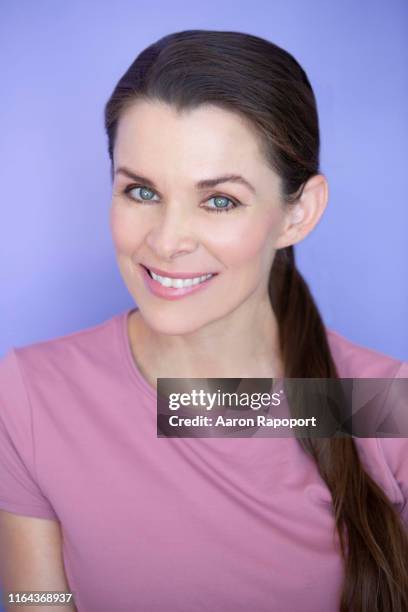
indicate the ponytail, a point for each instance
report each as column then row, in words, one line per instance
column 373, row 540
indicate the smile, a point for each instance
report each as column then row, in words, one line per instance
column 179, row 283
column 170, row 288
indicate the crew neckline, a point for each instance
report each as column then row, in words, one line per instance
column 133, row 368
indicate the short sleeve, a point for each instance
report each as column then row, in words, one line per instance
column 395, row 454
column 20, row 492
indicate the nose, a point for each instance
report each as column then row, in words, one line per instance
column 171, row 232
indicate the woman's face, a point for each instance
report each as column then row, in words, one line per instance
column 171, row 220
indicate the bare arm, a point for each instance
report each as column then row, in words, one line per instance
column 31, row 559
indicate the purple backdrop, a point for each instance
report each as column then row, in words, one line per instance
column 59, row 63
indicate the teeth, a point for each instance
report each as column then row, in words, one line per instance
column 179, row 283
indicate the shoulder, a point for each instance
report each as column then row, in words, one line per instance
column 50, row 377
column 75, row 354
column 384, row 458
column 356, row 361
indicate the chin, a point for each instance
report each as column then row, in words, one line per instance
column 171, row 324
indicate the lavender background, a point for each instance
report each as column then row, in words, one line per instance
column 58, row 65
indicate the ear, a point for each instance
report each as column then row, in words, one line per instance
column 303, row 215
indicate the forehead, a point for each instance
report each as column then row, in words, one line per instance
column 151, row 132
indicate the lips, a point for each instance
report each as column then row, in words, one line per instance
column 172, row 293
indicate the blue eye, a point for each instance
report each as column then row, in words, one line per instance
column 221, row 204
column 145, row 193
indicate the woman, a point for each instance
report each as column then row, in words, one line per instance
column 92, row 501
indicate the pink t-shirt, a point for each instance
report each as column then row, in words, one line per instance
column 172, row 524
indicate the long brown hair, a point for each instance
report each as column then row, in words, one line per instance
column 260, row 81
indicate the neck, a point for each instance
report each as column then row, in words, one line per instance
column 242, row 345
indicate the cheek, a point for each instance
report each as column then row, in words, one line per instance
column 126, row 234
column 247, row 241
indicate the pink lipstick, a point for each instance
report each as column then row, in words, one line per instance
column 173, row 293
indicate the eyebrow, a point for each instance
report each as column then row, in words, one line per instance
column 203, row 184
